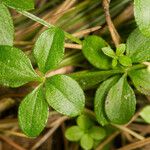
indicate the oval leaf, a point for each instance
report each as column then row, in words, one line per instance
column 65, row 95
column 84, row 122
column 121, row 48
column 6, row 27
column 99, row 102
column 141, row 80
column 89, row 79
column 120, row 102
column 20, row 4
column 86, row 142
column 15, row 67
column 145, row 113
column 74, row 133
column 92, row 50
column 138, row 47
column 141, row 12
column 97, row 133
column 33, row 113
column 49, row 49
column 109, row 52
column 125, row 61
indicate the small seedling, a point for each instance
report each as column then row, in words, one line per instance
column 85, row 132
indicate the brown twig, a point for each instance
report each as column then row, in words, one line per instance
column 12, row 143
column 62, row 9
column 8, row 132
column 114, row 34
column 109, row 139
column 55, row 125
column 63, row 129
column 63, row 70
column 123, row 17
column 86, row 31
column 136, row 145
column 6, row 103
column 73, row 46
column 123, row 128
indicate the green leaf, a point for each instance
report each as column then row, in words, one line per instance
column 120, row 102
column 138, row 47
column 6, row 27
column 97, row 133
column 92, row 50
column 145, row 114
column 125, row 61
column 33, row 113
column 15, row 67
column 109, row 52
column 114, row 62
column 84, row 122
column 99, row 102
column 141, row 80
column 49, row 49
column 89, row 79
column 86, row 142
column 141, row 12
column 65, row 95
column 20, row 4
column 121, row 48
column 74, row 133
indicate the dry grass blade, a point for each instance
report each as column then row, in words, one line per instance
column 136, row 144
column 123, row 128
column 109, row 139
column 12, row 143
column 55, row 125
column 115, row 36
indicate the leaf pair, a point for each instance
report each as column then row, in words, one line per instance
column 48, row 51
column 60, row 92
column 114, row 101
column 86, row 132
column 118, row 56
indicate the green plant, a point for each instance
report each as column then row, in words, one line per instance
column 60, row 91
column 86, row 132
column 115, row 101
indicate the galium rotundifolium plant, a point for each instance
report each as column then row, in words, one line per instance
column 86, row 132
column 115, row 100
column 60, row 92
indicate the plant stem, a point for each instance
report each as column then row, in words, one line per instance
column 135, row 67
column 114, row 34
column 46, row 24
column 123, row 128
